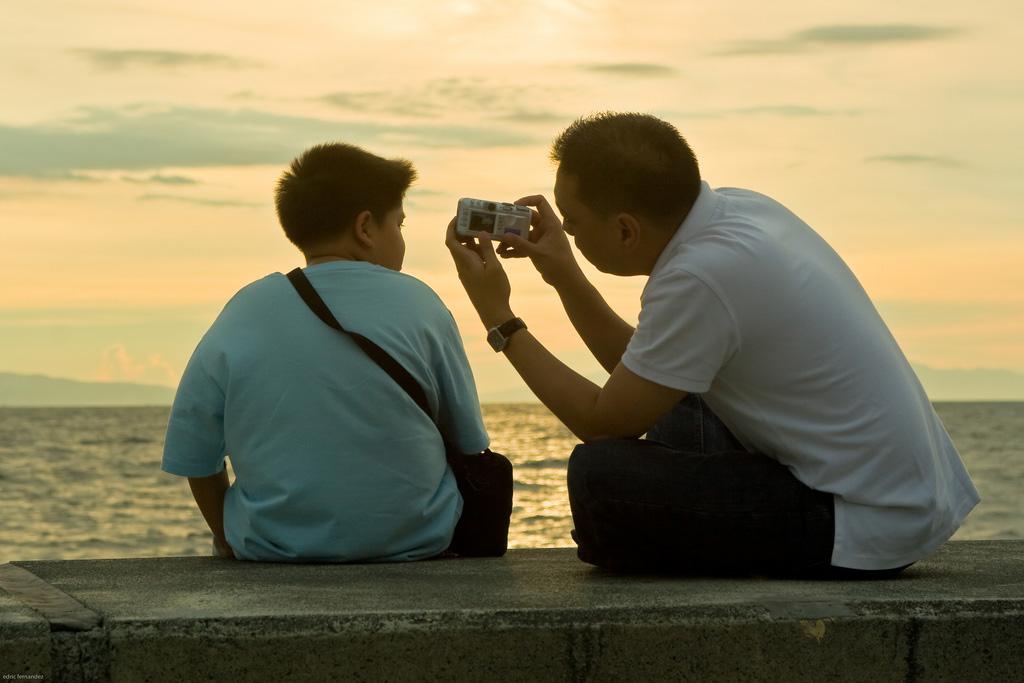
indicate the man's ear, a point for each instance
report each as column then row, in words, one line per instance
column 628, row 229
column 361, row 229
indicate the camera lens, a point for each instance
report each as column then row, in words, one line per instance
column 490, row 206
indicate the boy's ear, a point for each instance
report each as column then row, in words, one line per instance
column 361, row 229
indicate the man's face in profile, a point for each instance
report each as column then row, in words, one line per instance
column 593, row 234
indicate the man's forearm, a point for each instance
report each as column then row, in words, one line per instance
column 209, row 494
column 601, row 328
column 566, row 393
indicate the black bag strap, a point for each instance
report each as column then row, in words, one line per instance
column 388, row 364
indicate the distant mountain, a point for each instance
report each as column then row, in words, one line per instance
column 978, row 384
column 39, row 390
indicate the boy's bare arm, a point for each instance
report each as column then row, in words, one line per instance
column 209, row 494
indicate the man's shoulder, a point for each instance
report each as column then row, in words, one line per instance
column 743, row 193
column 746, row 227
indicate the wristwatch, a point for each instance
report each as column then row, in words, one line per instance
column 498, row 336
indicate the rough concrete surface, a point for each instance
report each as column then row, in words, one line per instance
column 24, row 640
column 534, row 615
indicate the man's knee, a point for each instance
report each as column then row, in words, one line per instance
column 588, row 462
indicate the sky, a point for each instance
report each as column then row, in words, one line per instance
column 140, row 143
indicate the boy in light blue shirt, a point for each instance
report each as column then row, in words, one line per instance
column 333, row 460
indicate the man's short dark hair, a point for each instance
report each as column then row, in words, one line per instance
column 630, row 162
column 328, row 185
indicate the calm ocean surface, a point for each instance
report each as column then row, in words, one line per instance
column 80, row 483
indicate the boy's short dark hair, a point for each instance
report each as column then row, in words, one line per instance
column 328, row 185
column 630, row 162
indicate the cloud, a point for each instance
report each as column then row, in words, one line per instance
column 631, row 69
column 117, row 365
column 783, row 110
column 58, row 177
column 917, row 159
column 112, row 60
column 875, row 33
column 533, row 116
column 200, row 201
column 155, row 136
column 791, row 110
column 841, row 35
column 438, row 97
column 162, row 180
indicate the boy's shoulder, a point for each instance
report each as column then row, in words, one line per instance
column 405, row 292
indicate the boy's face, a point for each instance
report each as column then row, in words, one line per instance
column 389, row 245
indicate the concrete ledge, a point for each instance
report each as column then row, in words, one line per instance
column 535, row 615
column 24, row 639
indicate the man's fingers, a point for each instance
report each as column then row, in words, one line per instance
column 516, row 245
column 538, row 200
column 453, row 240
column 487, row 250
column 450, row 239
column 466, row 254
column 535, row 218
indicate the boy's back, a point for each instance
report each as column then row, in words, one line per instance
column 333, row 460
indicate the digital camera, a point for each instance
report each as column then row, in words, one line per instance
column 497, row 218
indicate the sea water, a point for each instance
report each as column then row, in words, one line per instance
column 85, row 483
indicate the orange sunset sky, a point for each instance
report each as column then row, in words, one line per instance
column 140, row 143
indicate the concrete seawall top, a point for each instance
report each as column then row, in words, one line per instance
column 533, row 615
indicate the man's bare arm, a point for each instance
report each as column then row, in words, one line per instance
column 209, row 494
column 627, row 406
column 600, row 328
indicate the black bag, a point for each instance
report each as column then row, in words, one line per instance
column 484, row 479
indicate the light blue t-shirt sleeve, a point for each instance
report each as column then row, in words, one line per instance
column 194, row 445
column 459, row 405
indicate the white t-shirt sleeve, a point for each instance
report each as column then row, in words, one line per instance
column 684, row 336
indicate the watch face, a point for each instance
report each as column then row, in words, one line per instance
column 496, row 339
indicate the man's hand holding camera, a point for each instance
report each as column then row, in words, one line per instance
column 482, row 275
column 546, row 246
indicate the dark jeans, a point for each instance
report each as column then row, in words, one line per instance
column 691, row 499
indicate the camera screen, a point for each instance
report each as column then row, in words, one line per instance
column 481, row 221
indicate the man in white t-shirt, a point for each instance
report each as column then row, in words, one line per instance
column 786, row 431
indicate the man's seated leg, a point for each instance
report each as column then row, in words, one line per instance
column 693, row 427
column 639, row 505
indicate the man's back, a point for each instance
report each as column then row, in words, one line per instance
column 332, row 459
column 789, row 351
